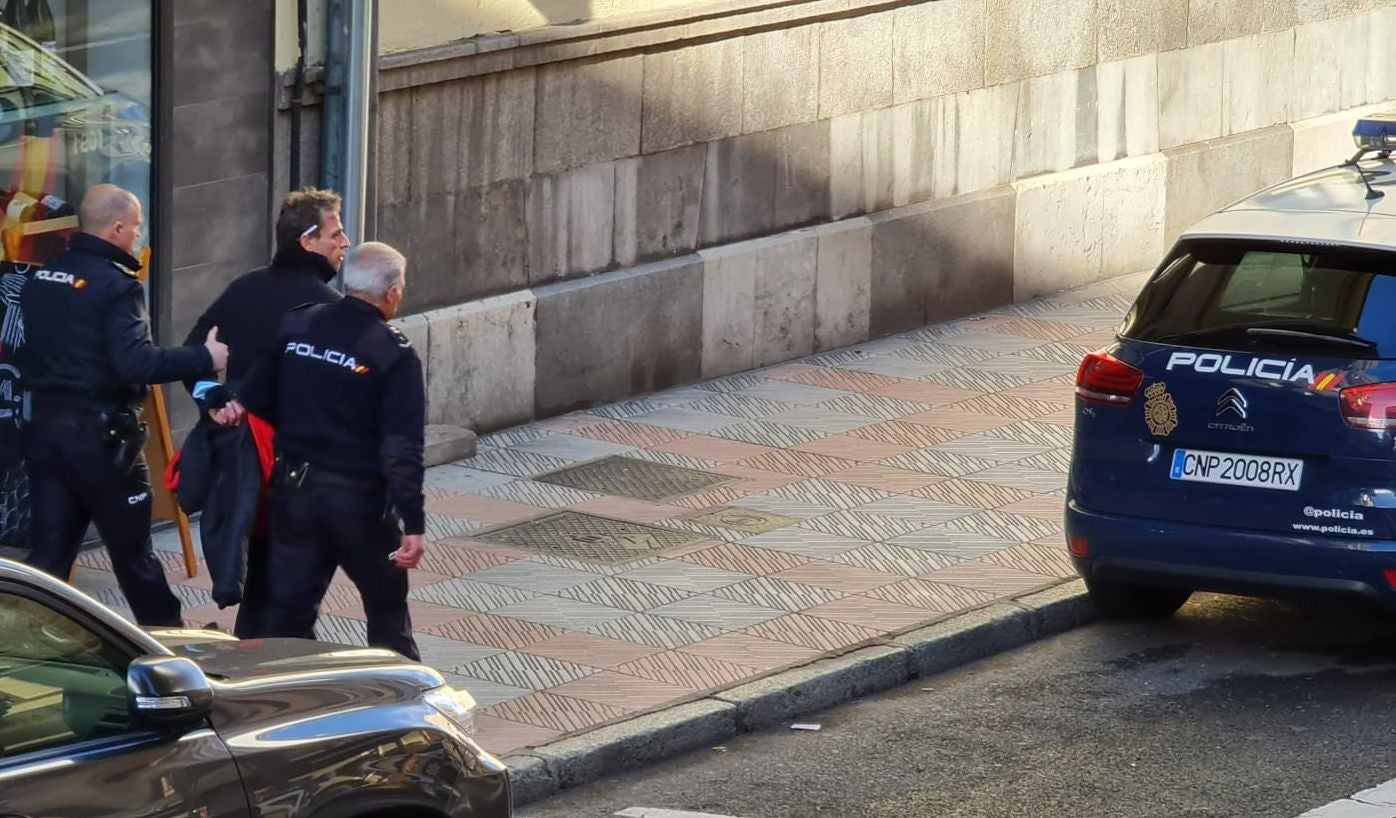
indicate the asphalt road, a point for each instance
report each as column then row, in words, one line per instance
column 1233, row 708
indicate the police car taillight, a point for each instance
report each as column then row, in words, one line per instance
column 1372, row 406
column 1376, row 133
column 1103, row 378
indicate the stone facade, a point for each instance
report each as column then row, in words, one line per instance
column 602, row 212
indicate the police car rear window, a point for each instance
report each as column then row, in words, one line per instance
column 1271, row 296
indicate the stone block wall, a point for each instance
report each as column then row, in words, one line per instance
column 597, row 214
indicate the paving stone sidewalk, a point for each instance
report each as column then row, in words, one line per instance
column 590, row 567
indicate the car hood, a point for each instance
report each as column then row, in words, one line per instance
column 229, row 659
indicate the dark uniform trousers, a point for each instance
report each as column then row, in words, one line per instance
column 73, row 480
column 319, row 526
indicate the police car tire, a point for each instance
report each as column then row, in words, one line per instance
column 1122, row 600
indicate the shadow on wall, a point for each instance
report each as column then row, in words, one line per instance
column 563, row 12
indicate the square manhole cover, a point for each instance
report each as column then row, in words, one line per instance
column 639, row 479
column 588, row 537
column 744, row 519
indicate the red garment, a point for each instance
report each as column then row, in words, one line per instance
column 263, row 434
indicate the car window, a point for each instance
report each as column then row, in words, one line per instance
column 27, row 65
column 58, row 682
column 1212, row 292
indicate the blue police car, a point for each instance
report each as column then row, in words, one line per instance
column 1239, row 436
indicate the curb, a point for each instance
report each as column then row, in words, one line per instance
column 539, row 772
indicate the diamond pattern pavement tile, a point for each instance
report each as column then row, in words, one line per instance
column 830, row 493
column 933, row 596
column 543, row 495
column 930, row 393
column 590, row 650
column 671, row 459
column 789, row 392
column 750, row 651
column 1049, row 435
column 563, row 613
column 984, row 576
column 896, row 559
column 629, row 594
column 1009, row 407
column 978, row 381
column 497, row 631
column 440, row 527
column 720, row 496
column 744, row 559
column 800, row 463
column 504, row 438
column 916, row 510
column 623, row 410
column 813, row 632
column 624, row 691
column 889, row 364
column 848, row 380
column 686, row 576
column 501, row 736
column 876, row 406
column 772, row 504
column 471, row 595
column 934, row 461
column 340, row 630
column 771, row 435
column 1067, row 353
column 519, row 464
column 463, row 480
column 717, row 612
column 633, row 434
column 1034, row 328
column 1095, row 338
column 685, row 419
column 838, row 577
column 960, row 420
column 539, row 578
column 859, row 525
column 1043, row 506
column 1026, row 370
column 715, row 449
column 870, row 613
column 965, row 545
column 886, row 478
column 1047, row 560
column 625, row 508
column 571, row 448
column 1054, row 460
column 489, row 510
column 909, row 435
column 424, row 614
column 524, row 670
column 454, row 558
column 965, row 493
column 1066, row 417
column 556, row 712
column 821, row 420
column 1007, row 526
column 946, row 356
column 850, row 447
column 1046, row 391
column 993, row 449
column 731, row 383
column 485, row 692
column 439, row 652
column 806, row 543
column 1016, row 476
column 996, row 342
column 655, row 631
column 749, row 407
column 686, row 670
column 779, row 594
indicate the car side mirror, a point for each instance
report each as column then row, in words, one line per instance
column 168, row 692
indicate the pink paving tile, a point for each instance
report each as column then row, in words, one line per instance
column 417, row 578
column 721, row 495
column 623, row 691
column 870, row 613
column 1001, row 405
column 454, row 558
column 554, row 712
column 1059, row 393
column 886, row 478
column 850, row 380
column 910, row 435
column 933, row 596
column 626, row 508
column 633, row 434
column 801, row 463
column 837, row 576
column 1097, row 338
column 813, row 632
column 501, row 736
column 756, row 479
column 969, row 493
column 588, row 649
column 425, row 615
column 715, row 449
column 488, row 510
column 744, row 559
column 1039, row 329
column 930, row 394
column 341, row 596
column 496, row 631
column 960, row 420
column 1042, row 506
column 1036, row 557
column 1066, row 417
column 986, row 576
column 848, row 447
column 750, row 651
column 686, row 670
column 565, row 423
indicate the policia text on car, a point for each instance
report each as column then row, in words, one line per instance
column 89, row 360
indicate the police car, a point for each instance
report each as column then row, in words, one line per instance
column 1239, row 436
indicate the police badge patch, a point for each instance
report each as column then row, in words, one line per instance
column 1160, row 412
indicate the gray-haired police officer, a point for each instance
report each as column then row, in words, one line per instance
column 344, row 390
column 89, row 359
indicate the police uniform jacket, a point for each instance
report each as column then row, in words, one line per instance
column 344, row 390
column 88, row 332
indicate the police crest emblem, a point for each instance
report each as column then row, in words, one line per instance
column 1160, row 412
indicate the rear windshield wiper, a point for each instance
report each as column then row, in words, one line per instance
column 1353, row 341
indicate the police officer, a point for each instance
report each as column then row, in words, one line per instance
column 310, row 247
column 89, row 360
column 344, row 390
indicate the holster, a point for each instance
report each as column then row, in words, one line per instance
column 125, row 433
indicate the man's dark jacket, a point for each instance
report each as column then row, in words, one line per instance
column 220, row 471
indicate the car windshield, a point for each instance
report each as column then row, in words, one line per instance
column 1262, row 296
column 26, row 65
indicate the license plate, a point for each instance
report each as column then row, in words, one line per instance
column 1237, row 470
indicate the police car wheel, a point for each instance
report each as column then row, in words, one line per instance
column 1122, row 600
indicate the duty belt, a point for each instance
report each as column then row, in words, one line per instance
column 297, row 473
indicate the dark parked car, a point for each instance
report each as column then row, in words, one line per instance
column 101, row 718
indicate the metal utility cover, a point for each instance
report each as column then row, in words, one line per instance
column 744, row 519
column 589, row 537
column 629, row 477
